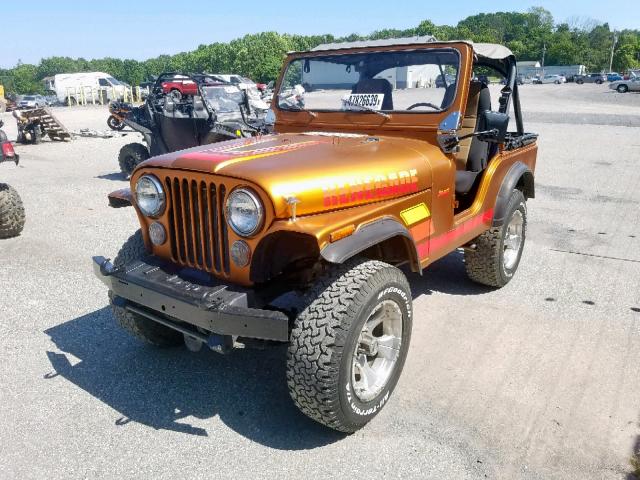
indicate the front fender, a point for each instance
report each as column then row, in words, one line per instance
column 367, row 236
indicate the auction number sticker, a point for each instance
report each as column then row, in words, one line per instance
column 367, row 100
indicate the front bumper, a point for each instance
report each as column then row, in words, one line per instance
column 156, row 290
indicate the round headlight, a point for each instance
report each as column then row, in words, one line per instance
column 150, row 196
column 244, row 212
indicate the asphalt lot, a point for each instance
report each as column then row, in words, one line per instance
column 537, row 380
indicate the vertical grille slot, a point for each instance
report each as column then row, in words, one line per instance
column 205, row 224
column 213, row 208
column 197, row 230
column 186, row 214
column 196, row 221
column 223, row 231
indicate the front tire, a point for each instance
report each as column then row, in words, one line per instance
column 348, row 346
column 497, row 252
column 12, row 215
column 114, row 123
column 131, row 155
column 141, row 327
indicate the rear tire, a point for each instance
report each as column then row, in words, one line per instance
column 141, row 327
column 340, row 373
column 131, row 155
column 12, row 215
column 580, row 82
column 622, row 89
column 497, row 252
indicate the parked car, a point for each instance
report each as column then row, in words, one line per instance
column 180, row 85
column 243, row 83
column 624, row 86
column 448, row 80
column 557, row 79
column 614, row 77
column 598, row 78
column 32, row 101
column 522, row 79
column 71, row 88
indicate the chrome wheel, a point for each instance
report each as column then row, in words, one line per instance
column 377, row 350
column 513, row 240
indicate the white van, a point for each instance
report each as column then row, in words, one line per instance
column 70, row 87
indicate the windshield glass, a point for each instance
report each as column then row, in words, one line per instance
column 29, row 97
column 418, row 81
column 113, row 81
column 223, row 98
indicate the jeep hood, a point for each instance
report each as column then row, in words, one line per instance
column 318, row 171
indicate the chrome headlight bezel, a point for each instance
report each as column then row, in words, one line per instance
column 161, row 201
column 259, row 208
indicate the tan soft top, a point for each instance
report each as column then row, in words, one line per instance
column 486, row 50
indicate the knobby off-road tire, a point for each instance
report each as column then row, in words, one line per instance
column 114, row 123
column 497, row 252
column 36, row 135
column 12, row 216
column 321, row 375
column 141, row 327
column 131, row 155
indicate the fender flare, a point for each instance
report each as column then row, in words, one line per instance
column 367, row 236
column 518, row 175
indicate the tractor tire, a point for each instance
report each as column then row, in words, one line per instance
column 36, row 135
column 12, row 215
column 622, row 89
column 131, row 155
column 141, row 327
column 497, row 252
column 349, row 344
column 114, row 123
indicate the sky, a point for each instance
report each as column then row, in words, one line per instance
column 142, row 29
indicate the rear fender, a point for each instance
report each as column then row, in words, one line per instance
column 519, row 176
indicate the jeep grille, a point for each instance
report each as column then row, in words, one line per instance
column 197, row 230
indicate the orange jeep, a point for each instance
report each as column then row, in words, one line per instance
column 374, row 165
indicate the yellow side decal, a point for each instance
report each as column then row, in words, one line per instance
column 415, row 214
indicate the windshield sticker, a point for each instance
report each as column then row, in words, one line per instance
column 368, row 101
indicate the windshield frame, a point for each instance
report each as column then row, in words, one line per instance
column 448, row 48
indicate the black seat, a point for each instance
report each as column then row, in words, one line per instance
column 376, row 85
column 478, row 151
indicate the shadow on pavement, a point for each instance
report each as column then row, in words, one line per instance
column 161, row 388
column 446, row 275
column 113, row 176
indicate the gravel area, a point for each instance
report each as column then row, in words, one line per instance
column 536, row 380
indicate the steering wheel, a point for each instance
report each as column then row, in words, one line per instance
column 423, row 104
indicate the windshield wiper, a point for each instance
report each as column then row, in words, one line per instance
column 297, row 108
column 368, row 109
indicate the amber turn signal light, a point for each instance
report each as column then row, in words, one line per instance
column 341, row 233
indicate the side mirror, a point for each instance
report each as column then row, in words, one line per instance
column 495, row 125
